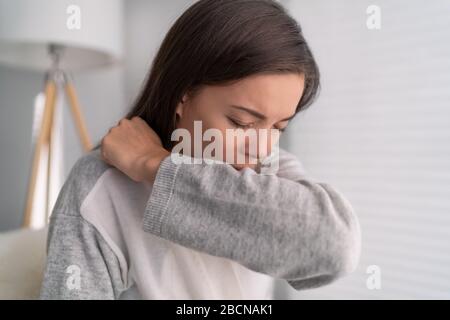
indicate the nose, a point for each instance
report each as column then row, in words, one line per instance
column 266, row 139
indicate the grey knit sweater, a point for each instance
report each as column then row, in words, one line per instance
column 200, row 231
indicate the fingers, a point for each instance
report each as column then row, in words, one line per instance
column 135, row 119
column 122, row 124
column 139, row 121
column 103, row 150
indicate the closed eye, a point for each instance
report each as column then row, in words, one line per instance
column 239, row 124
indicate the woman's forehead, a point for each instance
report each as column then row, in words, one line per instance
column 269, row 94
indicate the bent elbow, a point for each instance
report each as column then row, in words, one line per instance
column 345, row 244
column 348, row 251
column 339, row 262
column 350, row 257
column 336, row 256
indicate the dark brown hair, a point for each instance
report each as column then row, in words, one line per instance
column 219, row 41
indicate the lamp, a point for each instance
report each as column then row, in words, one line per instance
column 55, row 36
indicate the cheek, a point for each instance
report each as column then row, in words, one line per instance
column 262, row 146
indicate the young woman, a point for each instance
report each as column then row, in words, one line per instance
column 132, row 223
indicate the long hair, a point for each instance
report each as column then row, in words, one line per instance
column 220, row 41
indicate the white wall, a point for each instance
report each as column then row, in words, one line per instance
column 147, row 22
column 380, row 133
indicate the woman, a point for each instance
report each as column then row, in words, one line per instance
column 130, row 222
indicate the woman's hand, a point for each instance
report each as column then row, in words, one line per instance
column 134, row 148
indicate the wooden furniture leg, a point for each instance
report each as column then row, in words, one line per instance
column 76, row 112
column 43, row 138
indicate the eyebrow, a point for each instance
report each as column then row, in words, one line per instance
column 259, row 115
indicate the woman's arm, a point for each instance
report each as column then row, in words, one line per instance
column 80, row 263
column 284, row 225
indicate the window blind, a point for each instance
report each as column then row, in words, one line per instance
column 380, row 133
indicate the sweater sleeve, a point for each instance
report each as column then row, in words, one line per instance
column 284, row 225
column 80, row 264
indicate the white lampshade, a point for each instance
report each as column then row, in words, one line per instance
column 28, row 27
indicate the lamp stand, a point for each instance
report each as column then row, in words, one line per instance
column 44, row 137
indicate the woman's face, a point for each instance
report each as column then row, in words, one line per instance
column 264, row 101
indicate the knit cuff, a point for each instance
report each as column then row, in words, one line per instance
column 163, row 187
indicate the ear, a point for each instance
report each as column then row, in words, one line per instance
column 180, row 108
